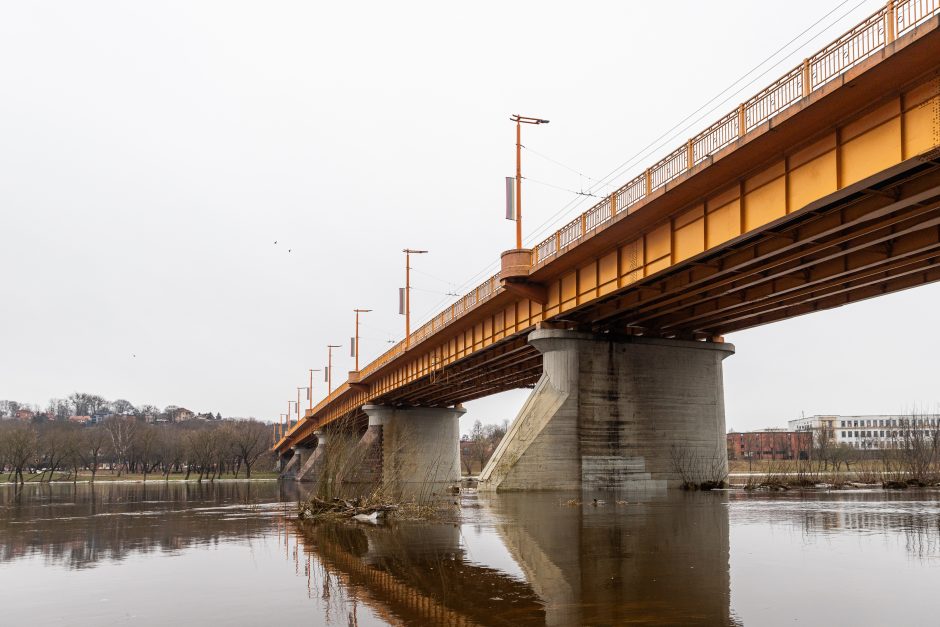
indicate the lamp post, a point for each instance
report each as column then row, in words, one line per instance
column 310, row 389
column 355, row 342
column 329, row 367
column 282, row 423
column 408, row 253
column 520, row 120
column 288, row 414
column 298, row 401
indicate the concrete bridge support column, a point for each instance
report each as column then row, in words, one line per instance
column 609, row 414
column 309, row 467
column 420, row 448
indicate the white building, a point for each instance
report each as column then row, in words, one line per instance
column 868, row 432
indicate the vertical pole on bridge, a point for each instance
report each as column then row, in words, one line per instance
column 408, row 252
column 329, row 368
column 355, row 345
column 310, row 389
column 891, row 22
column 518, row 182
column 519, row 120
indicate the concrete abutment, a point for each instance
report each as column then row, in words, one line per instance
column 616, row 414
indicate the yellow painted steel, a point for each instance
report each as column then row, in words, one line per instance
column 897, row 129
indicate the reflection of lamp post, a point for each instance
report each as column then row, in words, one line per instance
column 407, row 304
column 329, row 367
column 520, row 120
column 355, row 342
column 310, row 388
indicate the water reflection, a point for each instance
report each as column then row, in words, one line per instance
column 80, row 525
column 640, row 560
column 517, row 559
column 910, row 517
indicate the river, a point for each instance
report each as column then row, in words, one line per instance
column 232, row 553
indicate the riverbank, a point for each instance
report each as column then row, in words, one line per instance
column 111, row 477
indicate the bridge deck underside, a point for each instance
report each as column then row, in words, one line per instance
column 874, row 240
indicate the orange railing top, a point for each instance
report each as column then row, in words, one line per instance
column 868, row 37
column 853, row 47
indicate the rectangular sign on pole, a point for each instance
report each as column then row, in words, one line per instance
column 401, row 301
column 352, row 347
column 510, row 198
column 308, row 394
column 326, row 373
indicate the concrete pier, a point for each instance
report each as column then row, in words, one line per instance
column 420, row 448
column 616, row 413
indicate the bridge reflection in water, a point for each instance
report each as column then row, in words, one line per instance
column 639, row 558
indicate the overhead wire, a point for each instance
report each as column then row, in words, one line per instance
column 667, row 136
column 670, row 135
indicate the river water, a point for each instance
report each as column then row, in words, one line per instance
column 232, row 553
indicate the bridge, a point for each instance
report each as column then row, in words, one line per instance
column 820, row 190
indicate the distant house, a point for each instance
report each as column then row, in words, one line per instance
column 184, row 414
column 82, row 420
column 24, row 414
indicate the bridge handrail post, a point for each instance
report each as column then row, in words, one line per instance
column 649, row 181
column 891, row 22
column 690, row 155
column 742, row 120
column 807, row 84
column 613, row 204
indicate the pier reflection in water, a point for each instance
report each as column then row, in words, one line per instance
column 234, row 553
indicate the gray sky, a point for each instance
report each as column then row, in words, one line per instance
column 151, row 154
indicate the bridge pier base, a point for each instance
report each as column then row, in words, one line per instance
column 311, row 459
column 420, row 448
column 616, row 414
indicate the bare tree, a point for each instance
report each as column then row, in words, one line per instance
column 147, row 448
column 122, row 430
column 21, row 445
column 54, row 444
column 249, row 440
column 92, row 443
column 59, row 408
column 201, row 450
column 122, row 407
column 9, row 408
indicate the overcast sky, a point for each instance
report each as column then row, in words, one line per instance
column 152, row 153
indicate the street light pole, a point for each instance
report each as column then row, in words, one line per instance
column 356, row 339
column 329, row 367
column 310, row 389
column 298, row 403
column 408, row 253
column 520, row 120
column 288, row 414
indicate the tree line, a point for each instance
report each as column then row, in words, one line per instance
column 84, row 404
column 126, row 444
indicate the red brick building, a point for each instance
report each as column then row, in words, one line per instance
column 770, row 445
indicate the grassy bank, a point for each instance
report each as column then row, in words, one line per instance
column 783, row 475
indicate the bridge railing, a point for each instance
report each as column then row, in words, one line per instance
column 862, row 41
column 865, row 39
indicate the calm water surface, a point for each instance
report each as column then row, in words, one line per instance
column 232, row 554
